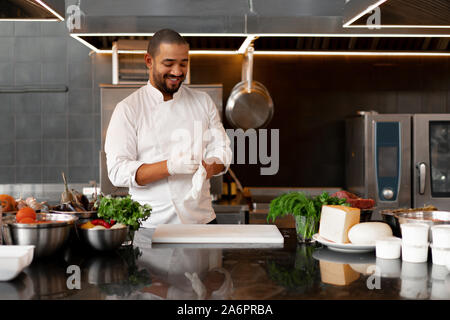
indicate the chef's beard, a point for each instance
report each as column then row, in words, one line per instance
column 160, row 82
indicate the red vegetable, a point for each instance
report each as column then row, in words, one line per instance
column 100, row 222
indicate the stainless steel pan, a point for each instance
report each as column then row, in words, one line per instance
column 249, row 105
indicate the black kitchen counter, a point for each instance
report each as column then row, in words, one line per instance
column 293, row 271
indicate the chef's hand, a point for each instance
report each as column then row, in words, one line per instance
column 181, row 164
column 212, row 166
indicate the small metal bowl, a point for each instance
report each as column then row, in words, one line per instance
column 46, row 237
column 103, row 239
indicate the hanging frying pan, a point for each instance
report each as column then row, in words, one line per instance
column 249, row 105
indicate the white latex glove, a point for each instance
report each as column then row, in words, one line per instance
column 197, row 183
column 197, row 285
column 181, row 164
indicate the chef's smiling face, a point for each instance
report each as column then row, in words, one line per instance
column 168, row 68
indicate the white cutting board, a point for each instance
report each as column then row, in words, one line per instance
column 217, row 233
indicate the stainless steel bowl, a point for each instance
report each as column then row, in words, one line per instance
column 46, row 237
column 430, row 218
column 103, row 239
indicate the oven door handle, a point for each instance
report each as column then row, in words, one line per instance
column 422, row 176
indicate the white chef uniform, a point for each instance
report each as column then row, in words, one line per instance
column 146, row 129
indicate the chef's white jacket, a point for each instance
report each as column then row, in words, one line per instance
column 146, row 129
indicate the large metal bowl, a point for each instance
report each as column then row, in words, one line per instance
column 430, row 218
column 103, row 239
column 46, row 237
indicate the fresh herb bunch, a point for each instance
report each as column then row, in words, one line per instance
column 124, row 210
column 299, row 204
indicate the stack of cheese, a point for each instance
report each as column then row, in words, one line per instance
column 340, row 224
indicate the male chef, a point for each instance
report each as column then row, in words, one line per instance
column 165, row 140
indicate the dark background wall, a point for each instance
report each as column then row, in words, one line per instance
column 314, row 94
column 43, row 134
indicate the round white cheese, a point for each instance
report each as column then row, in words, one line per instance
column 367, row 233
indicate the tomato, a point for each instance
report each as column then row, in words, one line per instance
column 27, row 220
column 26, row 212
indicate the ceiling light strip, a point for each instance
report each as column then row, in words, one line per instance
column 262, row 52
column 46, row 6
column 353, row 53
column 400, row 26
column 30, row 20
column 349, row 35
column 375, row 35
column 87, row 44
column 121, row 34
column 369, row 9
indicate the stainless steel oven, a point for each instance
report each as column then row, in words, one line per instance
column 399, row 160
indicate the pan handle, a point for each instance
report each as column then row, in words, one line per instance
column 249, row 75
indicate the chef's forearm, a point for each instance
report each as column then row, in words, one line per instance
column 151, row 172
column 213, row 166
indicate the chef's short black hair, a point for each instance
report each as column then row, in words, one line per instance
column 164, row 36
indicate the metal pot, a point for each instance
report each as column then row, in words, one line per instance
column 249, row 105
column 103, row 239
column 47, row 237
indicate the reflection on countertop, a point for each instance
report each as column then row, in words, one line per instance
column 294, row 271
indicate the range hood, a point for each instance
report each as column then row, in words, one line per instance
column 32, row 10
column 227, row 27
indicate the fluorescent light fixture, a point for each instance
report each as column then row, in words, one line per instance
column 399, row 26
column 353, row 53
column 213, row 52
column 359, row 15
column 361, row 35
column 87, row 44
column 151, row 34
column 262, row 52
column 42, row 3
column 31, row 20
column 216, row 52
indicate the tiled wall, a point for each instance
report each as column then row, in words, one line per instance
column 43, row 134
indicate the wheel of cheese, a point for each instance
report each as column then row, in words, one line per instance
column 367, row 233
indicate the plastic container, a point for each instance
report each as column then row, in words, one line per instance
column 438, row 272
column 448, row 262
column 13, row 259
column 441, row 235
column 414, row 253
column 439, row 290
column 439, row 255
column 415, row 233
column 389, row 268
column 414, row 288
column 388, row 248
column 414, row 270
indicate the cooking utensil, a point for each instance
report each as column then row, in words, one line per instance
column 66, row 196
column 249, row 105
column 46, row 237
column 103, row 239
